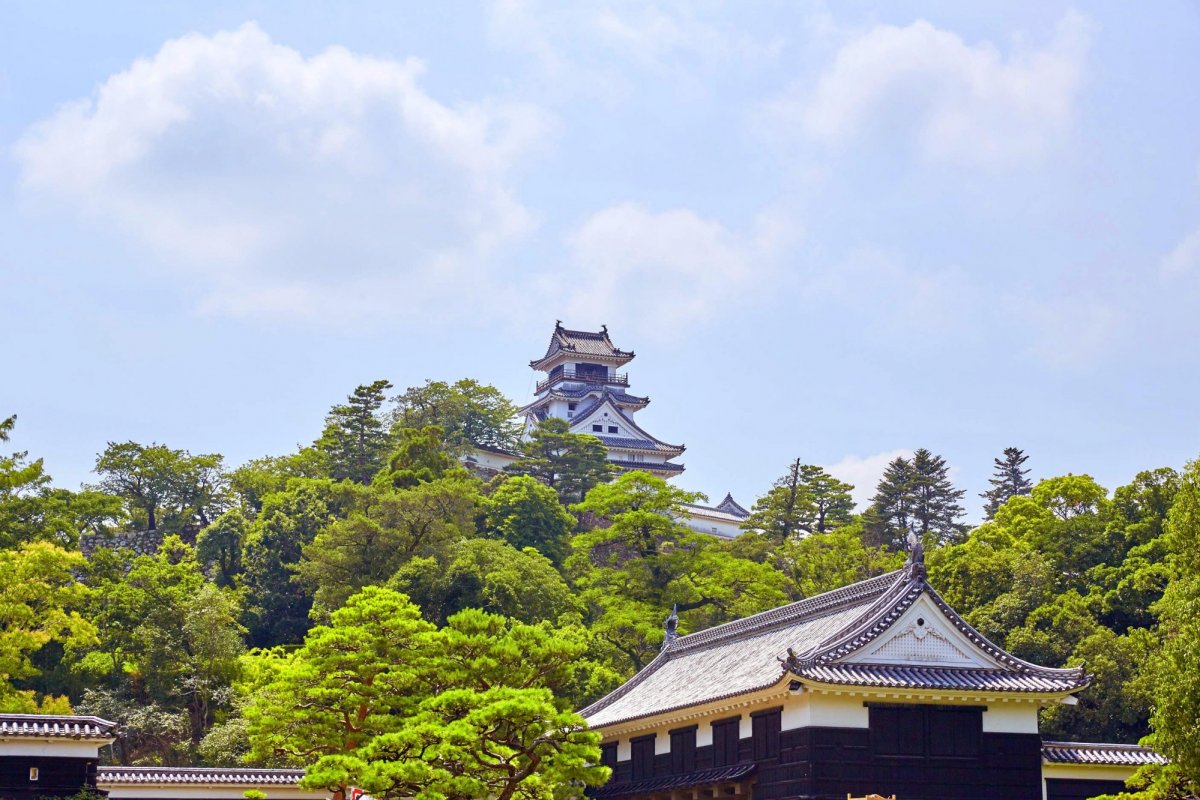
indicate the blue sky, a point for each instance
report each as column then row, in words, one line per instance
column 836, row 232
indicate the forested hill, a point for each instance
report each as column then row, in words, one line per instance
column 194, row 602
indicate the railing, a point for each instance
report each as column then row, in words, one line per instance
column 612, row 378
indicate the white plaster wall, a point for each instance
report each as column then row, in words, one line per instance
column 53, row 748
column 1010, row 718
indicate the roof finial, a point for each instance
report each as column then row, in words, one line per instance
column 916, row 555
column 604, row 328
column 670, row 626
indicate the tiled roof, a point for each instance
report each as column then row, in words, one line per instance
column 585, row 343
column 697, row 510
column 731, row 506
column 619, row 395
column 1123, row 755
column 625, row 443
column 734, row 658
column 905, row 677
column 648, row 466
column 810, row 640
column 704, row 777
column 581, row 416
column 114, row 776
column 41, row 726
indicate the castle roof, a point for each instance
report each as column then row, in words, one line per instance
column 581, row 420
column 619, row 396
column 591, row 344
column 208, row 776
column 865, row 634
column 1091, row 753
column 55, row 726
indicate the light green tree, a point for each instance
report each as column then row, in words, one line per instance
column 526, row 513
column 468, row 412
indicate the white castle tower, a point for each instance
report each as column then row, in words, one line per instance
column 583, row 386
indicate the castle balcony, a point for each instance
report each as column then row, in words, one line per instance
column 559, row 374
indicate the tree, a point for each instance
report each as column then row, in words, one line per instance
column 526, row 513
column 1008, row 480
column 219, row 547
column 31, row 510
column 633, row 570
column 1172, row 672
column 419, row 457
column 487, row 575
column 260, row 477
column 382, row 533
column 355, row 441
column 40, row 601
column 161, row 486
column 468, row 412
column 805, row 500
column 819, row 564
column 569, row 463
column 916, row 496
column 167, row 636
column 783, row 511
column 383, row 701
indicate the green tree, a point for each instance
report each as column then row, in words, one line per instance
column 831, row 499
column 383, row 532
column 167, row 636
column 935, row 501
column 839, row 558
column 419, row 457
column 161, row 487
column 260, row 477
column 570, row 463
column 1008, row 480
column 40, row 604
column 1172, row 672
column 383, row 701
column 785, row 510
column 487, row 575
column 633, row 570
column 219, row 547
column 526, row 513
column 890, row 514
column 468, row 412
column 355, row 441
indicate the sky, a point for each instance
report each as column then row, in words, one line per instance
column 834, row 232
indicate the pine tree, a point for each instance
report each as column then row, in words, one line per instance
column 784, row 510
column 1008, row 480
column 935, row 504
column 355, row 440
column 916, row 496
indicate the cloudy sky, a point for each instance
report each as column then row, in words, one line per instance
column 830, row 231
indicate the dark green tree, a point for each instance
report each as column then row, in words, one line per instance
column 786, row 509
column 162, row 488
column 356, row 441
column 419, row 457
column 526, row 513
column 890, row 514
column 1008, row 480
column 935, row 501
column 468, row 412
column 569, row 463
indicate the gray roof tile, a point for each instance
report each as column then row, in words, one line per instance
column 1131, row 755
column 41, row 726
column 116, row 776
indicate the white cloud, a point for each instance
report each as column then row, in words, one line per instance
column 654, row 272
column 332, row 185
column 965, row 103
column 1185, row 257
column 588, row 48
column 864, row 472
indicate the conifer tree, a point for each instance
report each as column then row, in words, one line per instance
column 355, row 440
column 916, row 496
column 1008, row 480
column 569, row 463
column 805, row 500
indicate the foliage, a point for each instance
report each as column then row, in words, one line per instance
column 419, row 457
column 805, row 500
column 1008, row 480
column 468, row 412
column 382, row 700
column 916, row 496
column 822, row 563
column 355, row 441
column 488, row 575
column 219, row 546
column 383, row 531
column 570, row 463
column 40, row 603
column 165, row 489
column 526, row 513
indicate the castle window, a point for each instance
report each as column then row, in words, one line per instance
column 612, row 428
column 725, row 742
column 765, row 726
column 598, row 428
column 683, row 751
column 642, row 753
column 571, row 406
column 608, row 754
column 918, row 732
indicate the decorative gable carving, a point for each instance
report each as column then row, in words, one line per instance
column 924, row 637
